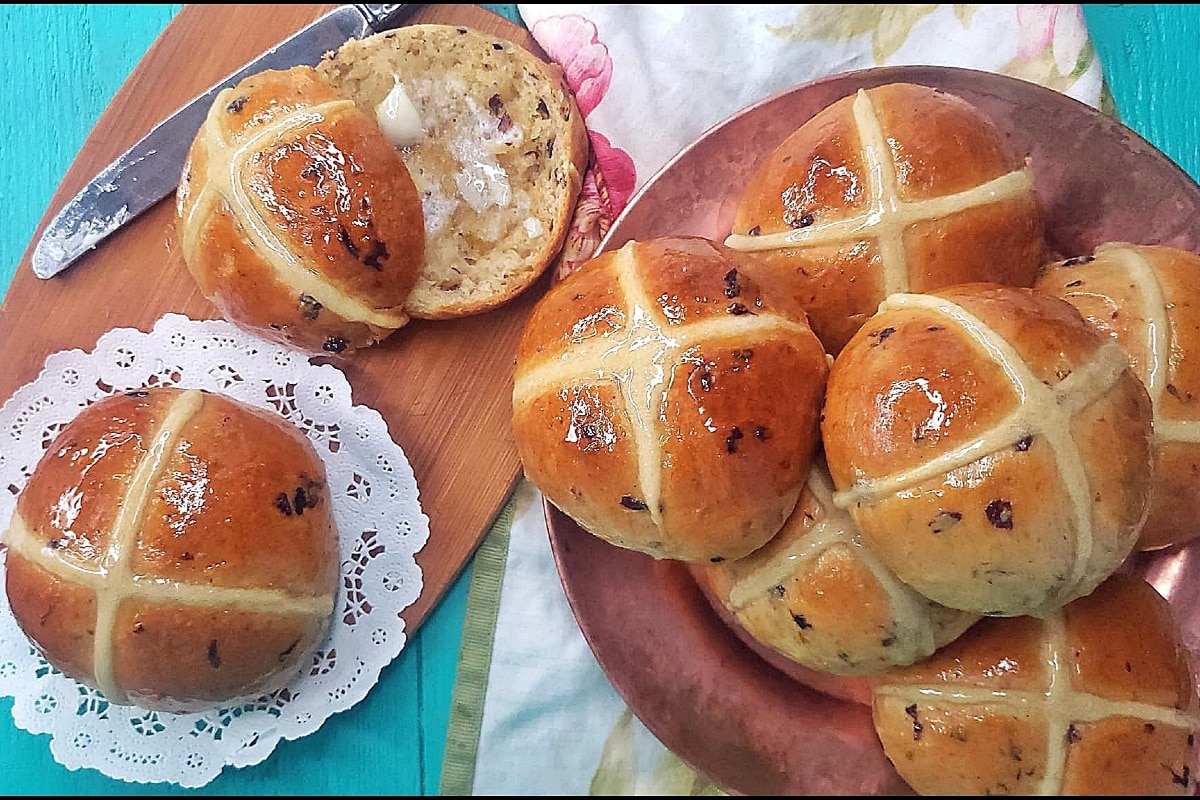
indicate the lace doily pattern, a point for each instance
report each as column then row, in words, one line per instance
column 376, row 507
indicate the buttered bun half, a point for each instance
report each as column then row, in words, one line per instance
column 175, row 550
column 1097, row 699
column 297, row 217
column 896, row 188
column 496, row 143
column 666, row 397
column 1147, row 297
column 993, row 448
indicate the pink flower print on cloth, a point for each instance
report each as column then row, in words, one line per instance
column 572, row 42
column 1053, row 46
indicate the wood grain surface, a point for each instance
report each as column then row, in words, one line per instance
column 444, row 388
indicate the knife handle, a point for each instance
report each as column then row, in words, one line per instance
column 385, row 16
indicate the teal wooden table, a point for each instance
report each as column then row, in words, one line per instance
column 62, row 66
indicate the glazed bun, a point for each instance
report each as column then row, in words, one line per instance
column 666, row 397
column 817, row 595
column 1097, row 699
column 898, row 188
column 175, row 550
column 496, row 143
column 993, row 448
column 296, row 216
column 1146, row 298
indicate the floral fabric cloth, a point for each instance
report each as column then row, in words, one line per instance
column 534, row 714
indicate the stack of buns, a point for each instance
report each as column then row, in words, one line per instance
column 428, row 172
column 1000, row 431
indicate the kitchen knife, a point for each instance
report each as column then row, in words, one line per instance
column 150, row 170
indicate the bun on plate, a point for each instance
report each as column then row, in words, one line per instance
column 817, row 595
column 993, row 448
column 297, row 218
column 175, row 549
column 1098, row 698
column 897, row 188
column 1146, row 298
column 666, row 397
column 496, row 143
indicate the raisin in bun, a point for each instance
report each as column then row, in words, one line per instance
column 992, row 447
column 176, row 550
column 898, row 188
column 666, row 397
column 495, row 141
column 1098, row 698
column 297, row 218
column 816, row 594
column 1146, row 297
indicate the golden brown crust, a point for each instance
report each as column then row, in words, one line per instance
column 816, row 594
column 175, row 549
column 297, row 218
column 882, row 193
column 666, row 398
column 1096, row 699
column 991, row 446
column 1144, row 297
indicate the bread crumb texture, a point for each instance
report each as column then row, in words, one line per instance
column 499, row 167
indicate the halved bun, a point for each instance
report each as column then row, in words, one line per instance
column 296, row 217
column 498, row 157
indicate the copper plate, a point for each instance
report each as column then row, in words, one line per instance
column 716, row 702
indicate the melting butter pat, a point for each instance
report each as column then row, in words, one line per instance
column 398, row 118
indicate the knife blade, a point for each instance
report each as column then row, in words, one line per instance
column 150, row 170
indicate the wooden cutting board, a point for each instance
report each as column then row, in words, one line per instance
column 444, row 388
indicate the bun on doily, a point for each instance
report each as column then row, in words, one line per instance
column 993, row 448
column 1146, row 298
column 297, row 217
column 175, row 549
column 496, row 143
column 666, row 397
column 1097, row 699
column 896, row 188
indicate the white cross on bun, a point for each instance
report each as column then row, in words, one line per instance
column 176, row 550
column 897, row 188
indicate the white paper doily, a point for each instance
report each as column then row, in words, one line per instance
column 376, row 507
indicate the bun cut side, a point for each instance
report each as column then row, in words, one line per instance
column 297, row 218
column 497, row 146
column 175, row 549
